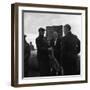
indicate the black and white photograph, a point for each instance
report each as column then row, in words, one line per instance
column 52, row 44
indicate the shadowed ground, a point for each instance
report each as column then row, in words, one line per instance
column 33, row 65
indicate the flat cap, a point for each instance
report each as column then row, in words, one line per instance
column 41, row 29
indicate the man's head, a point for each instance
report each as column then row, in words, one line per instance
column 41, row 31
column 55, row 35
column 67, row 29
column 30, row 43
column 25, row 37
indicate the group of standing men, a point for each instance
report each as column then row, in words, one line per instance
column 58, row 56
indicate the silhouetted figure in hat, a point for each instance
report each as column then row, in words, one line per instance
column 42, row 53
column 70, row 50
column 26, row 57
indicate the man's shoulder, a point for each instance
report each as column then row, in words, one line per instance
column 75, row 37
column 37, row 38
column 70, row 36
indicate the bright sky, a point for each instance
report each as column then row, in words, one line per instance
column 32, row 21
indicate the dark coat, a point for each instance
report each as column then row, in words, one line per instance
column 42, row 55
column 26, row 58
column 57, row 49
column 70, row 50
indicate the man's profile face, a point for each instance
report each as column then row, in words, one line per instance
column 66, row 30
column 41, row 33
column 55, row 35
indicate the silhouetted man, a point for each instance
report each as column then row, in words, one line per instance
column 26, row 57
column 42, row 53
column 71, row 48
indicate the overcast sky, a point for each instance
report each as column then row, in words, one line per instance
column 32, row 21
